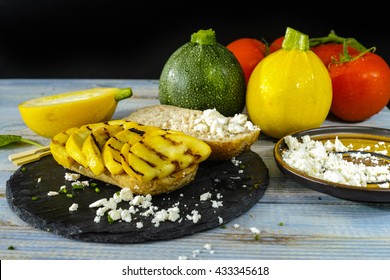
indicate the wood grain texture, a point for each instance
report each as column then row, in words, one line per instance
column 294, row 221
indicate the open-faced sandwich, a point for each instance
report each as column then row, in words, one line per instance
column 227, row 136
column 146, row 159
column 154, row 150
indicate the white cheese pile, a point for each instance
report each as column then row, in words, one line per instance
column 215, row 125
column 322, row 160
column 142, row 205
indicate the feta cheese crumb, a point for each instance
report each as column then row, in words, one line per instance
column 72, row 176
column 139, row 225
column 126, row 194
column 52, row 193
column 216, row 204
column 384, row 185
column 115, row 214
column 73, row 207
column 98, row 203
column 195, row 216
column 205, row 196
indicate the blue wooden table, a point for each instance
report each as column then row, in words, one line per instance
column 294, row 221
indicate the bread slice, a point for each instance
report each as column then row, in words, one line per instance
column 156, row 186
column 205, row 125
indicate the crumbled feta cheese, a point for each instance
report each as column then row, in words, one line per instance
column 173, row 214
column 216, row 204
column 126, row 215
column 215, row 125
column 339, row 147
column 72, row 176
column 139, row 225
column 52, row 193
column 384, row 185
column 80, row 183
column 195, row 216
column 325, row 161
column 98, row 203
column 101, row 211
column 115, row 214
column 235, row 161
column 205, row 196
column 126, row 194
column 140, row 203
column 73, row 207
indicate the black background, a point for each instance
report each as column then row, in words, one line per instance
column 132, row 40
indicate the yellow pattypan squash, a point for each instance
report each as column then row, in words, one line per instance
column 289, row 90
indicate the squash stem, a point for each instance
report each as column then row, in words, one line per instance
column 123, row 94
column 295, row 40
column 204, row 37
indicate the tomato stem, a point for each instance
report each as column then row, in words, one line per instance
column 346, row 57
column 333, row 38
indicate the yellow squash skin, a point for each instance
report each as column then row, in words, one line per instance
column 288, row 91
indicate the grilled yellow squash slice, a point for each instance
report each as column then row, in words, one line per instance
column 100, row 133
column 158, row 156
column 58, row 150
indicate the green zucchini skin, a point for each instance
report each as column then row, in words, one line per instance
column 203, row 76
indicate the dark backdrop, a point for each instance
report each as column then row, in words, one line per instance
column 131, row 40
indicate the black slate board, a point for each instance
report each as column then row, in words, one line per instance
column 239, row 191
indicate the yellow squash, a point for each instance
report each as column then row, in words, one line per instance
column 290, row 89
column 53, row 114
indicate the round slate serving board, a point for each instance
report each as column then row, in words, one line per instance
column 236, row 187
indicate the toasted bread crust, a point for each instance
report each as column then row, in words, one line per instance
column 182, row 119
column 157, row 186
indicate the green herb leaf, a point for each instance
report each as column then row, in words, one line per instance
column 6, row 139
column 78, row 187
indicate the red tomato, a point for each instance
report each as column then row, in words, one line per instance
column 361, row 87
column 331, row 52
column 276, row 44
column 249, row 52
